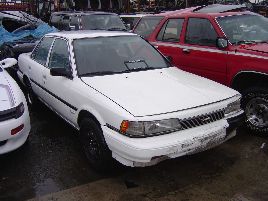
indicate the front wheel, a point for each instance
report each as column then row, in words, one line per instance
column 255, row 104
column 94, row 145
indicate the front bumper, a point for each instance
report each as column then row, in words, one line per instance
column 151, row 150
column 10, row 142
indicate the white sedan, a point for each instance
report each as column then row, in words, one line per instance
column 14, row 115
column 126, row 99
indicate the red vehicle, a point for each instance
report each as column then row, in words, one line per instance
column 220, row 42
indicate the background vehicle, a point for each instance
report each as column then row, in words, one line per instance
column 86, row 21
column 131, row 20
column 221, row 44
column 19, row 33
column 14, row 115
column 125, row 99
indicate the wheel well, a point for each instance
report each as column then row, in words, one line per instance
column 83, row 114
column 245, row 80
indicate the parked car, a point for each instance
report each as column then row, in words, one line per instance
column 228, row 47
column 131, row 20
column 90, row 20
column 20, row 33
column 125, row 98
column 14, row 115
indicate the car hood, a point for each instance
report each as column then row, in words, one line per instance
column 259, row 47
column 159, row 91
column 6, row 97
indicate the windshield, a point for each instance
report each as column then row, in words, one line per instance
column 147, row 25
column 118, row 54
column 244, row 28
column 102, row 22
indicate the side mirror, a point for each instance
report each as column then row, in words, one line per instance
column 169, row 58
column 8, row 62
column 222, row 43
column 128, row 26
column 61, row 72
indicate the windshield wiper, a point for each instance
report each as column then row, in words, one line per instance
column 245, row 42
column 137, row 69
column 98, row 73
column 116, row 29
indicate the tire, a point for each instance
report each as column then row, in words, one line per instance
column 255, row 105
column 94, row 145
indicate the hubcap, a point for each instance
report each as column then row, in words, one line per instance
column 257, row 112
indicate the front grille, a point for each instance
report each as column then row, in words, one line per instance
column 7, row 114
column 2, row 143
column 202, row 119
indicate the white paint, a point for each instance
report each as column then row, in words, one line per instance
column 137, row 96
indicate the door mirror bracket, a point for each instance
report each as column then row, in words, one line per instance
column 222, row 43
column 61, row 72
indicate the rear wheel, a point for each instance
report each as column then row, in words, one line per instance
column 255, row 104
column 94, row 145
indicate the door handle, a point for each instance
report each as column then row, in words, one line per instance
column 186, row 51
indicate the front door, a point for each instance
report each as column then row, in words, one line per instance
column 59, row 88
column 199, row 52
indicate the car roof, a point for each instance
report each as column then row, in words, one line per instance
column 133, row 15
column 214, row 10
column 219, row 8
column 89, row 34
column 82, row 13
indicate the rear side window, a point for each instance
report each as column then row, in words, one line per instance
column 171, row 30
column 147, row 25
column 40, row 53
column 59, row 57
column 200, row 32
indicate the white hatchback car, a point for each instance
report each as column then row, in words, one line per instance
column 126, row 99
column 14, row 115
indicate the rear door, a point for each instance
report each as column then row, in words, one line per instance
column 168, row 39
column 37, row 64
column 199, row 52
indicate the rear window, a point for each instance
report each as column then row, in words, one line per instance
column 102, row 22
column 147, row 25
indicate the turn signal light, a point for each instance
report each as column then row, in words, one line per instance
column 124, row 126
column 14, row 131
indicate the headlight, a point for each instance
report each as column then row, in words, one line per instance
column 233, row 107
column 149, row 128
column 19, row 110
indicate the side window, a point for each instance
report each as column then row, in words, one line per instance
column 171, row 30
column 200, row 32
column 59, row 57
column 41, row 51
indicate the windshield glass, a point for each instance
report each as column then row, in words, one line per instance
column 147, row 25
column 118, row 54
column 104, row 22
column 244, row 28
